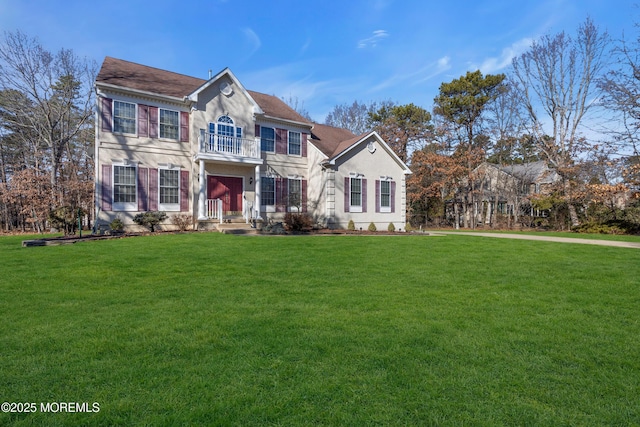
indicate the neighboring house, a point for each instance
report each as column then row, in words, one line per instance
column 507, row 189
column 214, row 150
column 535, row 177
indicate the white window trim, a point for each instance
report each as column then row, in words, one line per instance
column 355, row 208
column 289, row 207
column 124, row 206
column 385, row 209
column 160, row 127
column 275, row 138
column 269, row 208
column 169, row 207
column 289, row 143
column 135, row 118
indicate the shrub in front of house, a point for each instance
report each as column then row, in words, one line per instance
column 182, row 221
column 351, row 226
column 298, row 221
column 116, row 225
column 391, row 227
column 150, row 219
column 372, row 227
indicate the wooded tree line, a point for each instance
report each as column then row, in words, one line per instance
column 541, row 109
column 46, row 136
column 544, row 108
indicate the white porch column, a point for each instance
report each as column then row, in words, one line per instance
column 257, row 200
column 202, row 214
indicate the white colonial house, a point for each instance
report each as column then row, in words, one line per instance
column 213, row 150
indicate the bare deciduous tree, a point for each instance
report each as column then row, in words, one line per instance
column 46, row 131
column 58, row 91
column 558, row 75
column 355, row 117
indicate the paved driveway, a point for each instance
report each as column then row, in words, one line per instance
column 545, row 238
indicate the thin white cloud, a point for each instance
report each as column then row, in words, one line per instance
column 304, row 47
column 413, row 77
column 371, row 42
column 491, row 65
column 252, row 40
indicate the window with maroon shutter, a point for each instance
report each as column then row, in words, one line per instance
column 153, row 189
column 169, row 189
column 106, row 114
column 304, row 145
column 184, row 126
column 184, row 191
column 125, row 187
column 364, row 195
column 124, row 117
column 304, row 195
column 347, row 194
column 153, row 122
column 143, row 120
column 268, row 140
column 355, row 193
column 393, row 196
column 384, row 197
column 106, row 188
column 143, row 189
column 295, row 195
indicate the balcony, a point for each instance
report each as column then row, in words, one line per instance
column 228, row 148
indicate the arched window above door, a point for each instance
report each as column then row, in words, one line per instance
column 225, row 127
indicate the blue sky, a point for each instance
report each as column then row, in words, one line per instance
column 322, row 52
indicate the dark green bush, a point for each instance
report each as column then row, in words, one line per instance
column 150, row 219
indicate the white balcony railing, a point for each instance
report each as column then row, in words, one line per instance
column 223, row 144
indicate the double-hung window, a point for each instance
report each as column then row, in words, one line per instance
column 169, row 124
column 124, row 117
column 355, row 188
column 124, row 188
column 268, row 189
column 268, row 139
column 385, row 196
column 169, row 189
column 295, row 195
column 294, row 144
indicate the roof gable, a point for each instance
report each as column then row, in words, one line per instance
column 130, row 75
column 226, row 72
column 336, row 142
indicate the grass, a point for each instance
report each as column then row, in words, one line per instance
column 211, row 329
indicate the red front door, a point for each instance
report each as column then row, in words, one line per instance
column 228, row 189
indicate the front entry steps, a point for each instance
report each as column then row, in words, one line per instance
column 236, row 228
column 230, row 225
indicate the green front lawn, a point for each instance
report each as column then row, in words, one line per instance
column 212, row 329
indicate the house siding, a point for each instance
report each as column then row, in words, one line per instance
column 322, row 187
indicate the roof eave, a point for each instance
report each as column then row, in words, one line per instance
column 280, row 119
column 101, row 85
